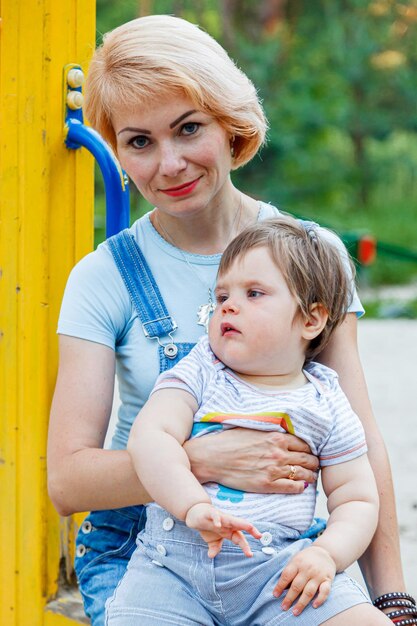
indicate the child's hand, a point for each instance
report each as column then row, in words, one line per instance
column 312, row 570
column 215, row 526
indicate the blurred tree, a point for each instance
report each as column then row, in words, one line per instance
column 335, row 76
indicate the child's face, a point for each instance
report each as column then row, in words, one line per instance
column 255, row 329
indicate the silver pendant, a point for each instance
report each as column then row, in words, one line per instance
column 170, row 350
column 204, row 313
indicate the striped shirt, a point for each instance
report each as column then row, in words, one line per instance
column 318, row 412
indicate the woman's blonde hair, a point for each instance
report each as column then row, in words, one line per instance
column 161, row 56
column 312, row 267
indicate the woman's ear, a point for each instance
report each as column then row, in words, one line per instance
column 315, row 322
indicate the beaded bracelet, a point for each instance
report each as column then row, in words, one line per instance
column 406, row 613
column 394, row 595
column 390, row 604
column 402, row 613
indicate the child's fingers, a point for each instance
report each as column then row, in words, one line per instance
column 294, row 591
column 237, row 523
column 286, row 578
column 254, row 532
column 308, row 593
column 215, row 517
column 239, row 539
column 323, row 594
column 214, row 547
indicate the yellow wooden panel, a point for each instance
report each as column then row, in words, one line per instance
column 55, row 619
column 72, row 37
column 46, row 216
column 9, row 188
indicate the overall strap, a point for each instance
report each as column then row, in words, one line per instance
column 141, row 285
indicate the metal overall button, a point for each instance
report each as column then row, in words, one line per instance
column 81, row 550
column 170, row 350
column 86, row 527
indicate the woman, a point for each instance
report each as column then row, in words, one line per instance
column 180, row 116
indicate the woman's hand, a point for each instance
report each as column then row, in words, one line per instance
column 215, row 526
column 253, row 461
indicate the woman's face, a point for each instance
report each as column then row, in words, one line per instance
column 178, row 157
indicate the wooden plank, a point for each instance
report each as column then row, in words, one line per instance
column 46, row 215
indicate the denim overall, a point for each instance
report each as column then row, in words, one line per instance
column 107, row 539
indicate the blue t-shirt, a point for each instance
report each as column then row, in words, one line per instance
column 97, row 307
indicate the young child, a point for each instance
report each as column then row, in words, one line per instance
column 282, row 290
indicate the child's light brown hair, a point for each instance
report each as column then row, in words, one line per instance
column 312, row 267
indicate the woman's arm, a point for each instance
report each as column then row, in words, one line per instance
column 342, row 355
column 81, row 475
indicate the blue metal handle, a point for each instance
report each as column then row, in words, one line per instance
column 77, row 134
column 115, row 180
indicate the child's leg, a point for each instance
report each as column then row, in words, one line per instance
column 150, row 595
column 359, row 614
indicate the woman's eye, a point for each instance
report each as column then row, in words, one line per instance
column 253, row 293
column 190, row 128
column 139, row 142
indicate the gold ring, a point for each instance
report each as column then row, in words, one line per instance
column 293, row 472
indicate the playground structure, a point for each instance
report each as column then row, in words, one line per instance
column 46, row 225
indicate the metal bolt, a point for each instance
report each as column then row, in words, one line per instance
column 75, row 78
column 75, row 100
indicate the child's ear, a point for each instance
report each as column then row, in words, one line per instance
column 315, row 322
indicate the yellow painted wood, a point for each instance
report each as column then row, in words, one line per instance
column 55, row 619
column 46, row 225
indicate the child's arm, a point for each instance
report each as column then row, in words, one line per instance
column 353, row 506
column 155, row 446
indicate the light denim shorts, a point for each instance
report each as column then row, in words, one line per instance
column 171, row 580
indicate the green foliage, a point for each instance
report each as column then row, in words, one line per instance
column 337, row 79
column 391, row 308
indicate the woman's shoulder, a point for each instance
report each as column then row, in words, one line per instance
column 98, row 267
column 266, row 211
column 96, row 304
column 96, row 275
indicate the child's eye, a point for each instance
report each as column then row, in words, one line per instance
column 221, row 297
column 254, row 293
column 140, row 141
column 190, row 128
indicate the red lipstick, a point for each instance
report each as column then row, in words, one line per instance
column 181, row 190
